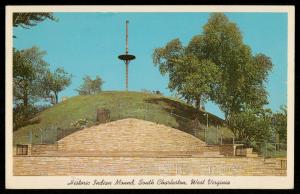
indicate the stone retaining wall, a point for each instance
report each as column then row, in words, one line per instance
column 96, row 166
column 227, row 150
column 130, row 135
column 38, row 149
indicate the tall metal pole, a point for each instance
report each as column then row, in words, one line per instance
column 126, row 75
column 126, row 57
column 126, row 62
column 127, row 36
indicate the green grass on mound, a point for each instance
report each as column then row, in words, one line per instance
column 122, row 105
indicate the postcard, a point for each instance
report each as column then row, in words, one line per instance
column 135, row 97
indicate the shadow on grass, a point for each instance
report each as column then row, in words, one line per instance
column 182, row 113
column 61, row 133
column 21, row 124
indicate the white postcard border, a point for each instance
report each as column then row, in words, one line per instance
column 241, row 182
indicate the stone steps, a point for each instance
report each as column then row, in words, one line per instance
column 141, row 166
column 150, row 154
column 252, row 155
column 212, row 154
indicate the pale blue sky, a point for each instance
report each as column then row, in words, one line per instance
column 89, row 43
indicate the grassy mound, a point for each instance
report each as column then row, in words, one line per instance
column 57, row 120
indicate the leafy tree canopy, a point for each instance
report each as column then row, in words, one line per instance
column 90, row 86
column 28, row 72
column 56, row 82
column 32, row 80
column 252, row 125
column 218, row 66
column 30, row 19
column 280, row 123
column 243, row 75
column 192, row 77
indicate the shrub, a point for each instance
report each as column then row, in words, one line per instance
column 81, row 123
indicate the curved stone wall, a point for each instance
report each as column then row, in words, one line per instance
column 129, row 135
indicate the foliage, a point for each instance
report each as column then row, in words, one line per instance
column 81, row 123
column 157, row 92
column 56, row 82
column 22, row 114
column 241, row 84
column 30, row 19
column 165, row 57
column 30, row 73
column 258, row 126
column 90, row 86
column 192, row 77
column 216, row 65
column 29, row 69
column 252, row 126
column 280, row 123
column 195, row 78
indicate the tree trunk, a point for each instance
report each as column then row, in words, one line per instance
column 25, row 100
column 188, row 101
column 25, row 95
column 56, row 97
column 226, row 116
column 25, row 103
column 198, row 103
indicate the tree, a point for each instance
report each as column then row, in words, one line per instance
column 56, row 82
column 29, row 70
column 252, row 126
column 30, row 19
column 218, row 66
column 193, row 77
column 157, row 92
column 23, row 74
column 243, row 76
column 90, row 86
column 280, row 123
column 196, row 78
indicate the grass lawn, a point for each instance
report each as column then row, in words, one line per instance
column 155, row 108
